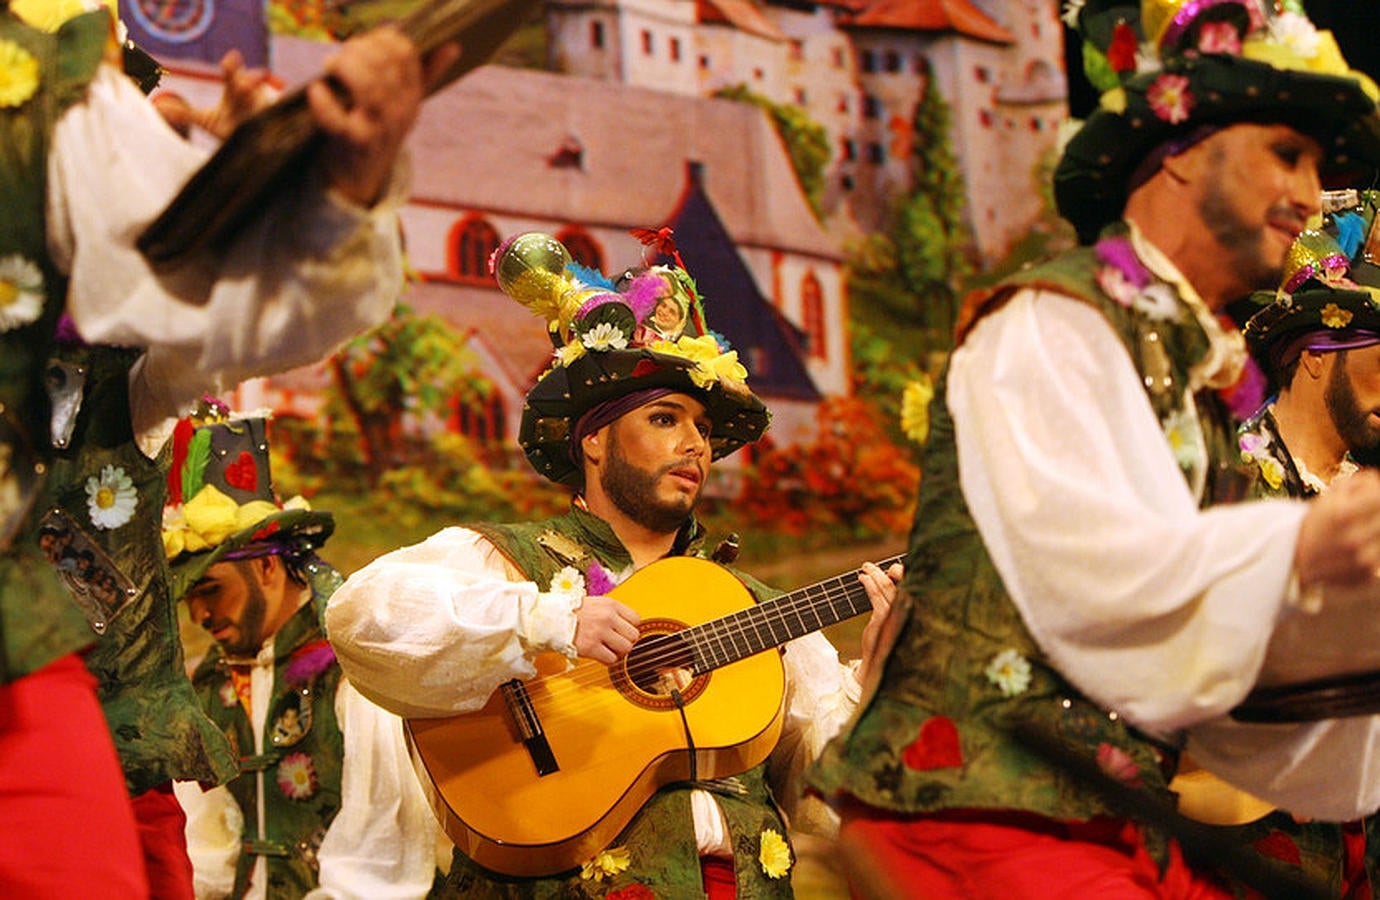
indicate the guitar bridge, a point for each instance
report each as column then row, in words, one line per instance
column 528, row 725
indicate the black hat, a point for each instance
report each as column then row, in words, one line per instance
column 1206, row 65
column 610, row 342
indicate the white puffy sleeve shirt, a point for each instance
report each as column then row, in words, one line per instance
column 433, row 629
column 311, row 273
column 1154, row 608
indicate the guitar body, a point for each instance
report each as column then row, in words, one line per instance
column 615, row 742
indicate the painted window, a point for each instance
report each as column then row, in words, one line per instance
column 812, row 316
column 472, row 242
column 583, row 248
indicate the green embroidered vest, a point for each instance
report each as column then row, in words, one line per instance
column 38, row 621
column 956, row 718
column 303, row 747
column 661, row 838
column 158, row 725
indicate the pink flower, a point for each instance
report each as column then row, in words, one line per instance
column 1115, row 285
column 1219, row 37
column 297, row 776
column 1170, row 98
column 1118, row 764
column 598, row 582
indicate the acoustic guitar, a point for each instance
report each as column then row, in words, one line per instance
column 553, row 768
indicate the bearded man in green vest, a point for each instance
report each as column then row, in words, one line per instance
column 434, row 629
column 99, row 353
column 1084, row 598
column 324, row 796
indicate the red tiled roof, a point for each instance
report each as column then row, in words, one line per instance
column 932, row 15
column 741, row 14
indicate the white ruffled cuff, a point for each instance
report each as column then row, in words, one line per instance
column 548, row 622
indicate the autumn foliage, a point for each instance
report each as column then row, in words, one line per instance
column 851, row 479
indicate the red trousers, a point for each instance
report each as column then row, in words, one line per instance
column 976, row 856
column 66, row 825
column 163, row 836
column 719, row 881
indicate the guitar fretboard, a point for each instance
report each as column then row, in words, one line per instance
column 773, row 623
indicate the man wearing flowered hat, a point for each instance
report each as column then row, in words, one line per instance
column 324, row 796
column 1084, row 601
column 1319, row 340
column 433, row 629
column 87, row 164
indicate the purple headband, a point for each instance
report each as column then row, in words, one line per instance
column 1173, row 147
column 1325, row 340
column 602, row 414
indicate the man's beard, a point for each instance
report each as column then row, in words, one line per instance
column 250, row 627
column 1353, row 423
column 1242, row 241
column 633, row 491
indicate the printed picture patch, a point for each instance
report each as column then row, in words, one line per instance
column 100, row 589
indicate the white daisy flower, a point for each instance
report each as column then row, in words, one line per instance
column 111, row 497
column 1158, row 302
column 604, row 337
column 1071, row 10
column 568, row 582
column 1295, row 32
column 1010, row 672
column 21, row 292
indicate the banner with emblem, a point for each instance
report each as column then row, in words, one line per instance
column 203, row 30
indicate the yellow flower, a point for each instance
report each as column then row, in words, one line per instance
column 50, row 15
column 1272, row 472
column 206, row 520
column 710, row 364
column 1333, row 316
column 1114, row 101
column 18, row 74
column 605, row 864
column 915, row 408
column 775, row 854
column 570, row 352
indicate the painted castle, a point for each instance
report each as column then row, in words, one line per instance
column 623, row 132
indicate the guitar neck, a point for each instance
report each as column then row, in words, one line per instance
column 773, row 623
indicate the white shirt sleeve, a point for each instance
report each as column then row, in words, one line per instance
column 382, row 844
column 214, row 830
column 310, row 274
column 1150, row 606
column 821, row 693
column 432, row 629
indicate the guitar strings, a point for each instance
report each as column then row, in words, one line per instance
column 587, row 673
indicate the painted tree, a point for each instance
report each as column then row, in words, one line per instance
column 411, row 364
column 906, row 280
column 807, row 143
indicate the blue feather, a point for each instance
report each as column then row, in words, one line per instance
column 1351, row 230
column 591, row 277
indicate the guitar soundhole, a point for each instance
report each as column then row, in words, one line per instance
column 658, row 664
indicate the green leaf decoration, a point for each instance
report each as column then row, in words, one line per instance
column 194, row 466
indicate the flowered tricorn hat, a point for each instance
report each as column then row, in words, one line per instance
column 648, row 331
column 1325, row 301
column 1168, row 69
column 221, row 504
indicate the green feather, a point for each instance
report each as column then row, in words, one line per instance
column 194, row 466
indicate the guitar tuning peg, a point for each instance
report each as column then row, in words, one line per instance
column 727, row 551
